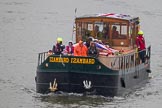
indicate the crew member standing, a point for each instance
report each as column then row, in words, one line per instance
column 59, row 47
column 80, row 49
column 70, row 48
column 92, row 50
column 140, row 42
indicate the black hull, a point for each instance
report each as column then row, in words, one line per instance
column 106, row 85
column 73, row 83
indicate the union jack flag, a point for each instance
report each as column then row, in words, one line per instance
column 113, row 15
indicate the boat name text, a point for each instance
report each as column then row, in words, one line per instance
column 72, row 60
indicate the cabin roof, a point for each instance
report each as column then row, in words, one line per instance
column 110, row 15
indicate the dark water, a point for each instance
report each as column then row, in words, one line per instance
column 28, row 27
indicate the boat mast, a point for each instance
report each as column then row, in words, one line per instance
column 74, row 28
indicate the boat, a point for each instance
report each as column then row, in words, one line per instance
column 106, row 75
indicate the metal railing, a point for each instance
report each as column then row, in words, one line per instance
column 134, row 59
column 117, row 62
column 42, row 57
column 125, row 61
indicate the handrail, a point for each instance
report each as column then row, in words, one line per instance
column 42, row 57
column 133, row 59
column 119, row 62
column 125, row 61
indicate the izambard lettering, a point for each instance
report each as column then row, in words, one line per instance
column 73, row 60
column 82, row 60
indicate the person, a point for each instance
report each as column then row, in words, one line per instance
column 59, row 47
column 88, row 41
column 70, row 48
column 105, row 31
column 80, row 49
column 100, row 42
column 92, row 50
column 140, row 43
column 50, row 52
column 115, row 33
column 96, row 31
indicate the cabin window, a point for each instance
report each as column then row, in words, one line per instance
column 86, row 30
column 115, row 31
column 101, row 30
column 90, row 27
column 79, row 29
column 106, row 31
column 123, row 34
column 98, row 28
column 131, row 34
column 119, row 31
column 130, row 31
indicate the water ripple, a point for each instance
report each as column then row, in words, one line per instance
column 14, row 3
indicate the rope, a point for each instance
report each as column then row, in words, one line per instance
column 62, row 61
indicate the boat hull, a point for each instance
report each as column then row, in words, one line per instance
column 74, row 83
column 101, row 84
column 101, row 76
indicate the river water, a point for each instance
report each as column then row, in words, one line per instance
column 28, row 27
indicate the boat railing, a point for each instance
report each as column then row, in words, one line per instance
column 42, row 57
column 125, row 61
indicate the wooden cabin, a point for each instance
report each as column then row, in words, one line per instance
column 116, row 30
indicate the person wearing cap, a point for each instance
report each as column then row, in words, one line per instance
column 80, row 49
column 140, row 44
column 70, row 48
column 59, row 47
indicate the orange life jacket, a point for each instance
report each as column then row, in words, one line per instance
column 80, row 50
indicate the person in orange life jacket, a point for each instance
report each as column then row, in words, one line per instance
column 70, row 48
column 80, row 49
column 140, row 43
column 92, row 50
column 59, row 47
